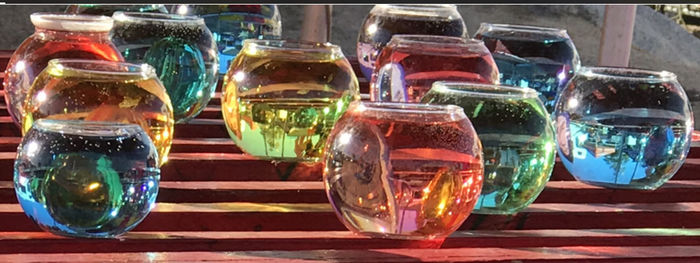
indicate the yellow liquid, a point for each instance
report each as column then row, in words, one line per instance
column 126, row 98
column 282, row 106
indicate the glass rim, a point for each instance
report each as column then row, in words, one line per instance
column 77, row 65
column 421, row 7
column 422, row 39
column 521, row 28
column 481, row 90
column 293, row 45
column 88, row 128
column 626, row 73
column 71, row 22
column 398, row 107
column 123, row 16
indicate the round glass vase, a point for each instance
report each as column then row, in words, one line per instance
column 56, row 35
column 517, row 136
column 231, row 24
column 541, row 58
column 403, row 171
column 384, row 21
column 281, row 98
column 93, row 90
column 180, row 48
column 623, row 127
column 86, row 179
column 409, row 64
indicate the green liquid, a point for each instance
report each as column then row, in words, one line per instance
column 286, row 129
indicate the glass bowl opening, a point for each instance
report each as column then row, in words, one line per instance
column 412, row 111
column 435, row 40
column 632, row 74
column 88, row 128
column 520, row 31
column 137, row 17
column 252, row 46
column 484, row 90
column 434, row 11
column 72, row 22
column 103, row 68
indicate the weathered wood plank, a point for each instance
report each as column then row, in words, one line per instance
column 314, row 192
column 521, row 254
column 243, row 216
column 43, row 242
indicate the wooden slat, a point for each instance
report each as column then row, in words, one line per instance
column 42, row 242
column 520, row 254
column 242, row 167
column 314, row 192
column 242, row 216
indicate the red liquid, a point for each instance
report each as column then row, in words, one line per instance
column 413, row 178
column 36, row 51
column 406, row 74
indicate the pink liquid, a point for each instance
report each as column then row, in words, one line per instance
column 406, row 74
column 403, row 179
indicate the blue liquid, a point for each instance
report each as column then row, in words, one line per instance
column 639, row 152
column 541, row 74
column 86, row 186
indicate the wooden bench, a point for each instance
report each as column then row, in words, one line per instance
column 217, row 204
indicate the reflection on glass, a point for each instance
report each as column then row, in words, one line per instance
column 55, row 36
column 541, row 58
column 108, row 10
column 405, row 171
column 517, row 137
column 180, row 48
column 409, row 64
column 92, row 90
column 86, row 179
column 231, row 24
column 282, row 98
column 384, row 21
column 623, row 128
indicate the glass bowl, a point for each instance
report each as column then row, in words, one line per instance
column 541, row 58
column 517, row 136
column 384, row 21
column 623, row 127
column 409, row 64
column 180, row 48
column 231, row 24
column 56, row 35
column 108, row 10
column 93, row 90
column 403, row 171
column 86, row 179
column 281, row 98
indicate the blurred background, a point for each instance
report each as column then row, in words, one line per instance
column 664, row 35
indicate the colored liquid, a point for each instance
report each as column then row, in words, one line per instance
column 378, row 29
column 283, row 108
column 543, row 63
column 32, row 56
column 231, row 24
column 84, row 185
column 405, row 75
column 67, row 95
column 402, row 179
column 630, row 148
column 183, row 55
column 518, row 145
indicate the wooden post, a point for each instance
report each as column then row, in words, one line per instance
column 317, row 23
column 616, row 36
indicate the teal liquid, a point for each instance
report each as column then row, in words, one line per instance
column 182, row 70
column 631, row 148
